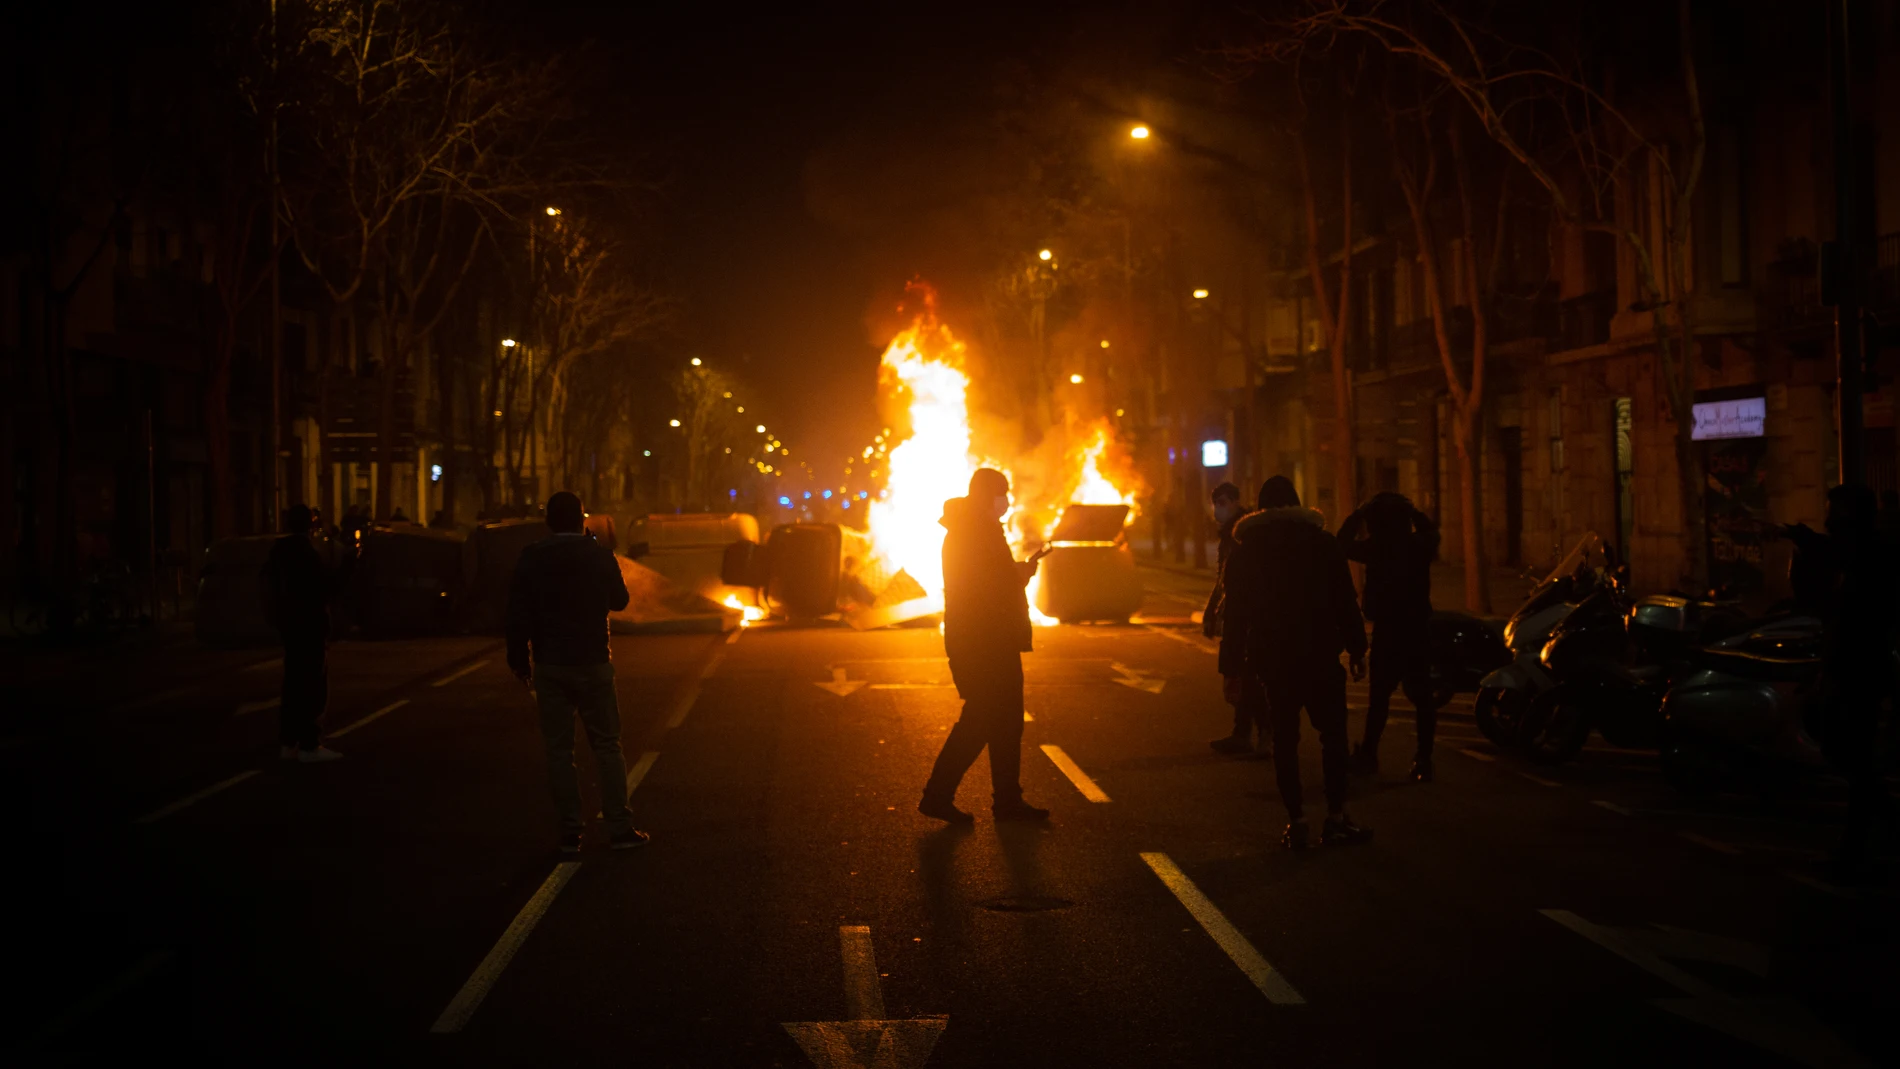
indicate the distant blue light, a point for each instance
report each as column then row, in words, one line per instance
column 862, row 494
column 827, row 495
column 732, row 493
column 786, row 501
column 847, row 504
column 808, row 495
column 435, row 473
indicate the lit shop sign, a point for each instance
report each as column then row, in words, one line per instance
column 1214, row 453
column 1740, row 418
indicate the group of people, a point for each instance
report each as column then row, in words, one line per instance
column 1285, row 610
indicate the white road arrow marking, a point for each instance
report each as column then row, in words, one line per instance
column 1780, row 1025
column 1128, row 677
column 841, row 686
column 867, row 1040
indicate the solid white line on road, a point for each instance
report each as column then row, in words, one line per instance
column 1612, row 807
column 384, row 711
column 103, row 995
column 1714, row 844
column 258, row 707
column 1539, row 780
column 1477, row 755
column 640, row 768
column 863, row 996
column 459, row 673
column 1076, row 776
column 194, row 798
column 463, row 1005
column 1270, row 982
column 684, row 704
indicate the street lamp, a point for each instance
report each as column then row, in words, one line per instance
column 695, row 361
column 760, row 428
column 1075, row 380
column 1044, row 255
column 1139, row 133
column 1104, row 343
column 507, row 343
column 554, row 211
column 672, row 423
column 1200, row 295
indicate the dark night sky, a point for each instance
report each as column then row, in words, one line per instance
column 732, row 104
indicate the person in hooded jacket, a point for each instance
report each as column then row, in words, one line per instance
column 1290, row 611
column 1250, row 712
column 1398, row 550
column 985, row 633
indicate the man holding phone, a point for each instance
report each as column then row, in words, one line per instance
column 985, row 633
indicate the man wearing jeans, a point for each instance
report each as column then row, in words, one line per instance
column 564, row 587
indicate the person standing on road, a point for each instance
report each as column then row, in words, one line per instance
column 1400, row 544
column 564, row 586
column 985, row 634
column 1290, row 612
column 1851, row 583
column 1250, row 712
column 299, row 582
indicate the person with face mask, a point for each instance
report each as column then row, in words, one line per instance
column 1250, row 712
column 299, row 584
column 985, row 633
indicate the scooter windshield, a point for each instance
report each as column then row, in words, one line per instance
column 1559, row 585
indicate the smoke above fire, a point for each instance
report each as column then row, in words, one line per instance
column 924, row 389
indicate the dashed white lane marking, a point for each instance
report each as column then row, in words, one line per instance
column 194, row 798
column 100, row 997
column 377, row 715
column 1612, row 807
column 1539, row 780
column 257, row 707
column 1477, row 755
column 684, row 703
column 463, row 1005
column 1166, row 632
column 1215, row 923
column 640, row 769
column 453, row 676
column 1076, row 776
column 1714, row 844
column 863, row 995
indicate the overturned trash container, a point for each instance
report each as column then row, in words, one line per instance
column 803, row 566
column 407, row 580
column 1089, row 574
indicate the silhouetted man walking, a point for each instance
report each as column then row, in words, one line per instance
column 564, row 587
column 1290, row 613
column 985, row 634
column 1250, row 712
column 1398, row 551
column 299, row 583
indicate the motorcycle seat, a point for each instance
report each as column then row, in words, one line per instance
column 1758, row 667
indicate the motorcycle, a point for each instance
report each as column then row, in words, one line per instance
column 1464, row 650
column 1613, row 662
column 1506, row 693
column 1737, row 715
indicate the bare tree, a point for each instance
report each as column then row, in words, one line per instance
column 707, row 419
column 1335, row 320
column 1613, row 153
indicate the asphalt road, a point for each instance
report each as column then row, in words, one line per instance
column 405, row 903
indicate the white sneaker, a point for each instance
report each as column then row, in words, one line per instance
column 318, row 755
column 287, row 753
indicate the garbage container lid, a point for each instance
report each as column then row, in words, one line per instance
column 1090, row 523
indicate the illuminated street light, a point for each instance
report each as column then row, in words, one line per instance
column 1045, row 255
column 1200, row 295
column 1075, row 380
column 696, row 362
column 760, row 428
column 1139, row 133
column 1104, row 343
column 672, row 423
column 554, row 211
column 742, row 410
column 507, row 343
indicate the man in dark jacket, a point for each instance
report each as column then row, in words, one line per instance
column 985, row 634
column 1290, row 612
column 1400, row 545
column 1250, row 712
column 299, row 583
column 564, row 587
column 1850, row 581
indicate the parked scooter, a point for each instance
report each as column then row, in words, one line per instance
column 1506, row 694
column 1613, row 661
column 1737, row 715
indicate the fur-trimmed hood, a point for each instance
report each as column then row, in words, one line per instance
column 1263, row 518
